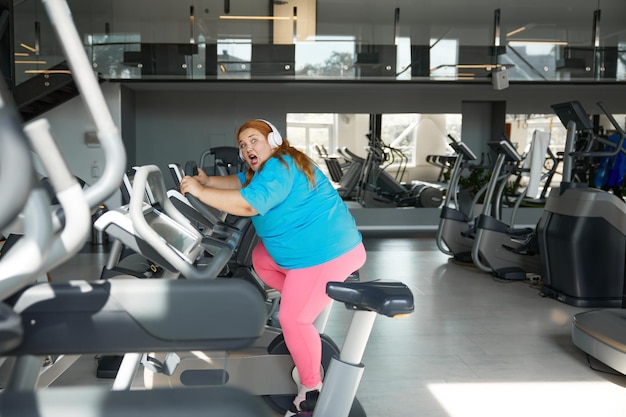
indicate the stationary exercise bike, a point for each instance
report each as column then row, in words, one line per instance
column 217, row 224
column 264, row 369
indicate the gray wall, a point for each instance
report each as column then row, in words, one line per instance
column 69, row 123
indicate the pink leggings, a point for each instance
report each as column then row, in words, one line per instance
column 303, row 297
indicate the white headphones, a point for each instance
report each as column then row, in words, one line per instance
column 273, row 138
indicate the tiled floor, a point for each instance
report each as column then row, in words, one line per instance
column 474, row 346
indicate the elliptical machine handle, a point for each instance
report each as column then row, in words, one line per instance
column 191, row 168
column 15, row 160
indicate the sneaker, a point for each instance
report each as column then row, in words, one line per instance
column 305, row 400
column 311, row 399
column 292, row 411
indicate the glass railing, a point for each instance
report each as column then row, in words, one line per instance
column 120, row 59
column 179, row 47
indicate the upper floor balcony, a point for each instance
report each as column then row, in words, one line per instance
column 407, row 41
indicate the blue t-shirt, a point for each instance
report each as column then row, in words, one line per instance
column 300, row 225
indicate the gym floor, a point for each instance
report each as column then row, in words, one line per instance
column 475, row 346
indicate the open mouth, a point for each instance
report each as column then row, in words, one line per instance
column 253, row 159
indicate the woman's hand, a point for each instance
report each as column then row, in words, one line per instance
column 228, row 199
column 191, row 185
column 202, row 177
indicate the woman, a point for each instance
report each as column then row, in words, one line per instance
column 308, row 236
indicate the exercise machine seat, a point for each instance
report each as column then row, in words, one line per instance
column 383, row 297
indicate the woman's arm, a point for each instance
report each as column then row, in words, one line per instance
column 228, row 200
column 226, row 182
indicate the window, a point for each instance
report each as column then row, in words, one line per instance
column 233, row 58
column 443, row 58
column 418, row 135
column 326, row 57
column 399, row 133
column 312, row 133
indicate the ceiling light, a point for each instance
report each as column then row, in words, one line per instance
column 535, row 42
column 36, row 62
column 29, row 48
column 47, row 72
column 518, row 30
column 257, row 17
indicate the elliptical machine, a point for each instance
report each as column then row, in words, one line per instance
column 349, row 183
column 599, row 333
column 499, row 248
column 452, row 238
column 582, row 233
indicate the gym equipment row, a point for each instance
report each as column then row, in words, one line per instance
column 367, row 181
column 579, row 246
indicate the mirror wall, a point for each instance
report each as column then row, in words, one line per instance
column 414, row 147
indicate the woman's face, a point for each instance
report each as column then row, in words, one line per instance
column 254, row 147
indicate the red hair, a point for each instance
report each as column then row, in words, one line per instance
column 302, row 161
